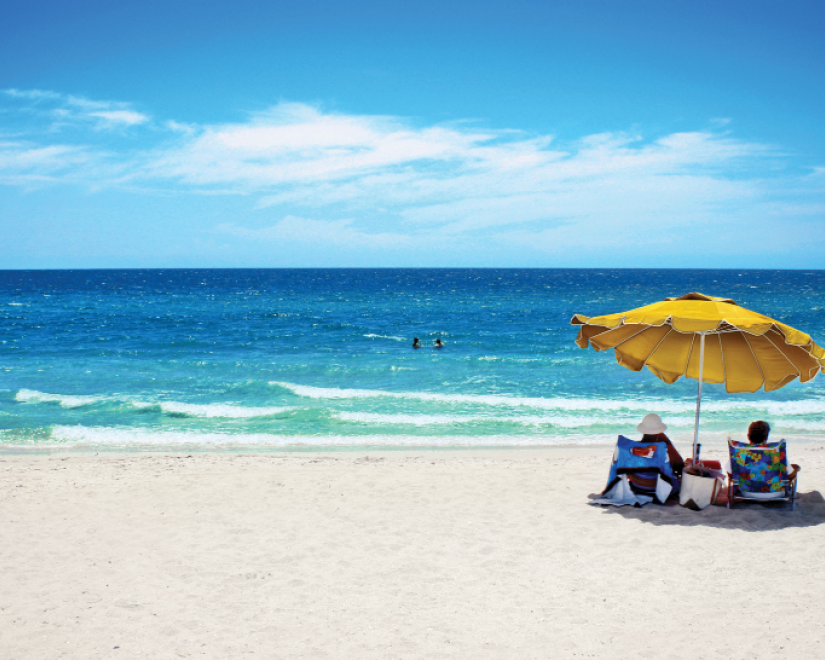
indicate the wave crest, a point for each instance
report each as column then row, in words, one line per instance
column 226, row 410
column 580, row 404
column 65, row 400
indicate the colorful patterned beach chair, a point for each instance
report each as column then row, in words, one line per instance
column 640, row 471
column 760, row 473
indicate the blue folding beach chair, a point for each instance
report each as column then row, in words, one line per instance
column 646, row 469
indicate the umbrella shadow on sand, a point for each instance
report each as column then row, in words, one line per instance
column 746, row 516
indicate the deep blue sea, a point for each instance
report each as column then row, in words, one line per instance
column 275, row 359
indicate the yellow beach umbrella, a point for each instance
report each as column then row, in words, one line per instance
column 708, row 339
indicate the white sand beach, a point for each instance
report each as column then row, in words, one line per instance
column 464, row 554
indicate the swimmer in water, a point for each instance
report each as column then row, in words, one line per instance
column 415, row 343
column 438, row 344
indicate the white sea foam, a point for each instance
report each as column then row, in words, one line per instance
column 221, row 409
column 776, row 408
column 415, row 420
column 102, row 435
column 65, row 400
column 120, row 437
column 480, row 399
column 133, row 438
column 393, row 337
column 623, row 422
column 555, row 421
column 225, row 410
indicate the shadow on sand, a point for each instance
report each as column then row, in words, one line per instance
column 746, row 516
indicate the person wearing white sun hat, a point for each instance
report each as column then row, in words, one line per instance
column 646, row 471
column 653, row 429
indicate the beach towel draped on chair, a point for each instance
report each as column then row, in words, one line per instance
column 640, row 473
column 760, row 472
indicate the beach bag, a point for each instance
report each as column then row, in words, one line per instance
column 699, row 489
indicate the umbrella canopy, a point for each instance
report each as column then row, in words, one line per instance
column 743, row 349
column 707, row 339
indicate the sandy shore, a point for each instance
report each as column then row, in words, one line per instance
column 394, row 555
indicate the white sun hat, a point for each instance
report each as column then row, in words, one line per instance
column 651, row 425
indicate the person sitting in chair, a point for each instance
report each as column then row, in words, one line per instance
column 758, row 433
column 653, row 429
column 759, row 470
column 645, row 471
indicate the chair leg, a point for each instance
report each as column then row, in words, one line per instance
column 793, row 495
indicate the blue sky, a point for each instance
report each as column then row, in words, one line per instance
column 256, row 134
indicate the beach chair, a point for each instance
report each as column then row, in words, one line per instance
column 639, row 473
column 760, row 473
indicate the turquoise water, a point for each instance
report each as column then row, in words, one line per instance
column 322, row 358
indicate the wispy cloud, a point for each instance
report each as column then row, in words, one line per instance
column 33, row 94
column 295, row 144
column 63, row 109
column 119, row 117
column 388, row 182
column 297, row 154
column 24, row 163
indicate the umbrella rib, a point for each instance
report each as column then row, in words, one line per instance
column 655, row 348
column 690, row 352
column 599, row 334
column 722, row 353
column 755, row 359
column 798, row 372
column 631, row 336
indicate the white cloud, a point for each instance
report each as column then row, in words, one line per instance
column 297, row 144
column 65, row 109
column 296, row 154
column 32, row 94
column 181, row 127
column 24, row 163
column 495, row 187
column 463, row 180
column 119, row 117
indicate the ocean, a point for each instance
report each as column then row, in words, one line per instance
column 272, row 359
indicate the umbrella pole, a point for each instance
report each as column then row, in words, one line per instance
column 699, row 394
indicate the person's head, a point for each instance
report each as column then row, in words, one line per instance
column 438, row 342
column 652, row 424
column 758, row 432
